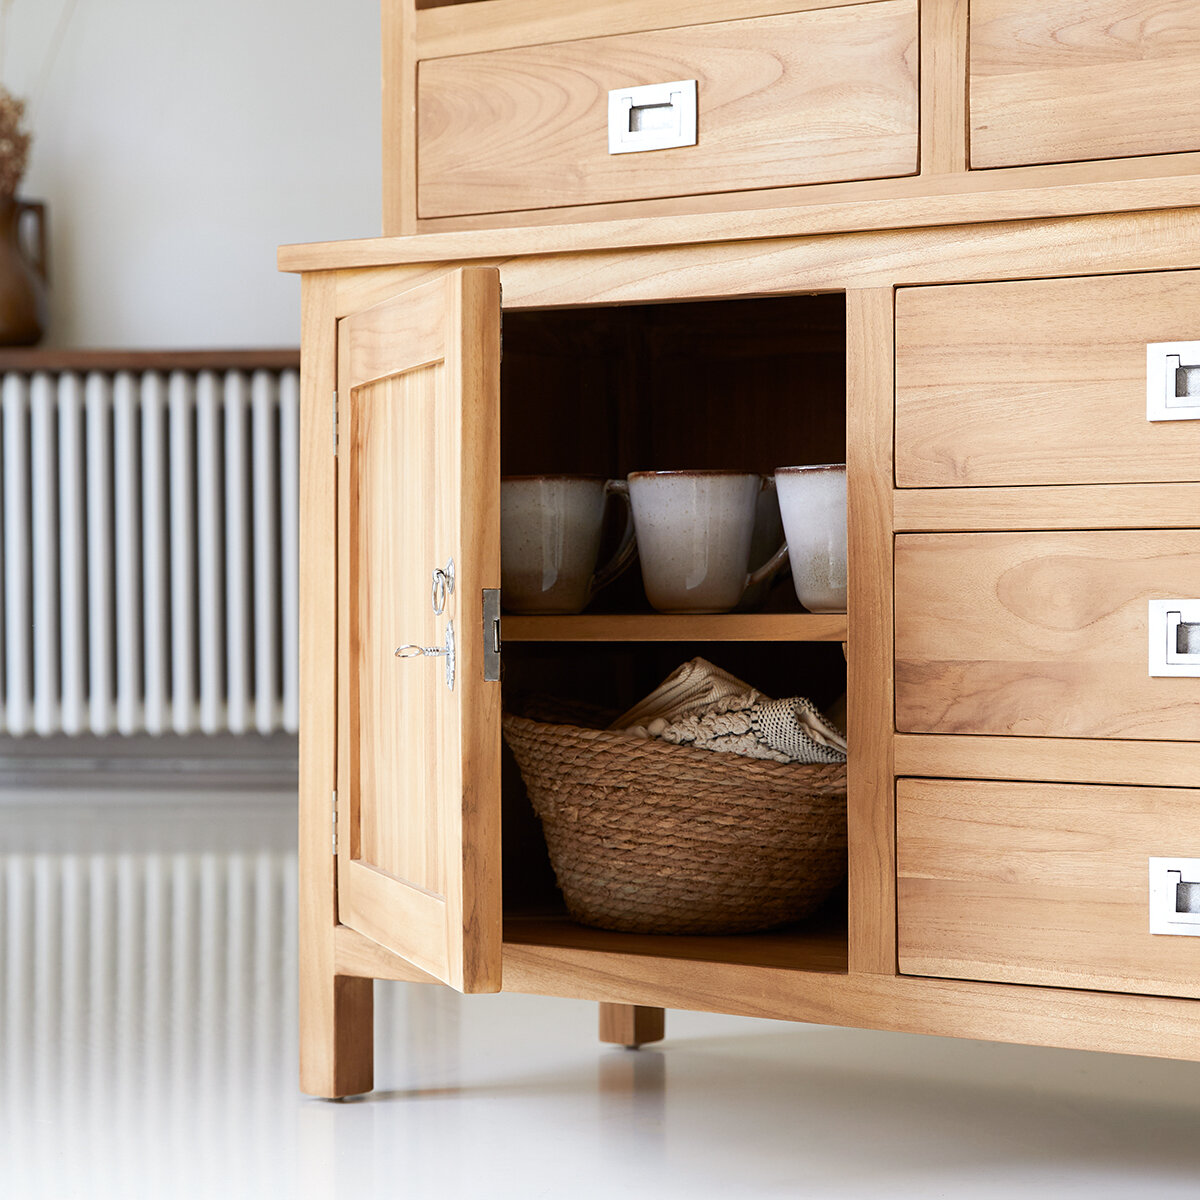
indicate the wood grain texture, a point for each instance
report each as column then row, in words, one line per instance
column 996, row 509
column 919, row 201
column 1151, row 1025
column 1041, row 883
column 419, row 762
column 631, row 1025
column 1157, row 241
column 944, row 25
column 869, row 389
column 398, row 45
column 356, row 955
column 336, row 1033
column 657, row 627
column 393, row 544
column 1041, row 634
column 802, row 98
column 817, row 946
column 1041, row 75
column 1056, row 760
column 500, row 24
column 546, row 964
column 1040, row 382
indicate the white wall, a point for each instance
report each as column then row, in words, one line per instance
column 178, row 142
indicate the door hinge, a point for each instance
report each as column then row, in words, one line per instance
column 335, row 424
column 334, row 822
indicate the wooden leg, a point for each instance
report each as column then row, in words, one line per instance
column 336, row 1012
column 631, row 1025
column 337, row 1041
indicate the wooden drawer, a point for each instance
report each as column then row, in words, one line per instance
column 1041, row 883
column 1040, row 634
column 1040, row 381
column 1066, row 80
column 801, row 98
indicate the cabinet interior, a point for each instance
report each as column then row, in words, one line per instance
column 748, row 385
column 606, row 391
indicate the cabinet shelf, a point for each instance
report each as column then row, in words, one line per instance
column 818, row 946
column 658, row 627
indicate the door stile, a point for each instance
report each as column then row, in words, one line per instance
column 474, row 373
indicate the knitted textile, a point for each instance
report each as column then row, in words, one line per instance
column 702, row 706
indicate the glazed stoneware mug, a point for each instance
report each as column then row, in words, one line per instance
column 693, row 533
column 812, row 501
column 550, row 532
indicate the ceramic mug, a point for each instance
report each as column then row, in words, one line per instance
column 693, row 533
column 812, row 501
column 550, row 529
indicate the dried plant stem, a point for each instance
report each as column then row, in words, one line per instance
column 5, row 9
column 56, row 40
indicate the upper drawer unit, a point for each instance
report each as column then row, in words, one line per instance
column 806, row 97
column 1067, row 80
column 1042, row 381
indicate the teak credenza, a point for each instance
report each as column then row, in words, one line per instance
column 902, row 237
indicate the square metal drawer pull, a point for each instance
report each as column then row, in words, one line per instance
column 1175, row 896
column 1174, row 637
column 1173, row 381
column 655, row 117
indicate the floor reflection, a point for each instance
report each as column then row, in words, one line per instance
column 148, row 1027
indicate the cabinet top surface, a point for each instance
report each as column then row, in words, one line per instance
column 1039, row 193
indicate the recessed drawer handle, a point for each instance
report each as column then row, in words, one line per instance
column 655, row 117
column 1173, row 381
column 1175, row 896
column 1175, row 637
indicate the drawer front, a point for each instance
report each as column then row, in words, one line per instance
column 1040, row 381
column 801, row 98
column 1068, row 80
column 1041, row 883
column 1041, row 634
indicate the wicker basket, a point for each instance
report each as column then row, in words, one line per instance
column 649, row 837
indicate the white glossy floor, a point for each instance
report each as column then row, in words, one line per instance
column 149, row 1052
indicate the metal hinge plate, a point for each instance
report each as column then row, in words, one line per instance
column 335, row 398
column 334, row 824
column 491, row 635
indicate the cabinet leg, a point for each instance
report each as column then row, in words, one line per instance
column 337, row 1036
column 631, row 1025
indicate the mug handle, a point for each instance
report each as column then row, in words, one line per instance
column 626, row 549
column 775, row 563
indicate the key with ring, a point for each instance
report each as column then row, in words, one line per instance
column 446, row 650
column 443, row 586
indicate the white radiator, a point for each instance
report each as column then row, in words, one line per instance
column 150, row 540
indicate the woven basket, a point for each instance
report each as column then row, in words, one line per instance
column 649, row 837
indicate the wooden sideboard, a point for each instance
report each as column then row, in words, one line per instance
column 968, row 330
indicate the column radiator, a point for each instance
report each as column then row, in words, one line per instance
column 150, row 538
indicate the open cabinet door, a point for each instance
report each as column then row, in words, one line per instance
column 418, row 837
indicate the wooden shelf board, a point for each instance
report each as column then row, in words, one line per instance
column 818, row 947
column 658, row 627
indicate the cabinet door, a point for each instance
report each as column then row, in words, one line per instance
column 418, row 748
